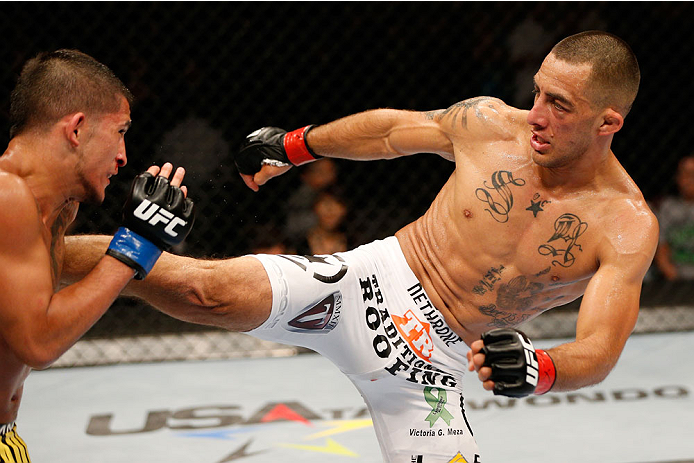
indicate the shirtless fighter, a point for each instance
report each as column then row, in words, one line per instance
column 537, row 213
column 69, row 117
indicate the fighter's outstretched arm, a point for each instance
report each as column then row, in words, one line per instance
column 370, row 135
column 233, row 294
column 375, row 134
column 381, row 134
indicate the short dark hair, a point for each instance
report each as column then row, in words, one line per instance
column 55, row 84
column 615, row 75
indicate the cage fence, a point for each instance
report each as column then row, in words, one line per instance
column 206, row 74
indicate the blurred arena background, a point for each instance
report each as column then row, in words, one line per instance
column 206, row 74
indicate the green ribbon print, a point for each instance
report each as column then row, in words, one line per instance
column 438, row 406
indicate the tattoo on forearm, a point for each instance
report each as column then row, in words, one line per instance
column 500, row 182
column 461, row 108
column 536, row 204
column 569, row 228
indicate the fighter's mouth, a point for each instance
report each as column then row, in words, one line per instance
column 538, row 143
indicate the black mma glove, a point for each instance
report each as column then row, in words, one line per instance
column 156, row 216
column 517, row 368
column 274, row 146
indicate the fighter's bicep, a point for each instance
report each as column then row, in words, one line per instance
column 26, row 282
column 419, row 133
column 477, row 119
column 611, row 301
column 609, row 308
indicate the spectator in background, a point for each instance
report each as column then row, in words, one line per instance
column 528, row 42
column 269, row 239
column 301, row 217
column 675, row 255
column 327, row 236
column 195, row 142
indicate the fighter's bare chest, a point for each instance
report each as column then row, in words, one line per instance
column 513, row 224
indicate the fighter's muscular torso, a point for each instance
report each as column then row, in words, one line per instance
column 13, row 371
column 497, row 247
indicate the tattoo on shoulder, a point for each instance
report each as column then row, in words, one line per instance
column 431, row 115
column 461, row 109
column 62, row 222
column 497, row 194
column 567, row 228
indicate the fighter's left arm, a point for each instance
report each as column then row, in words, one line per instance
column 610, row 305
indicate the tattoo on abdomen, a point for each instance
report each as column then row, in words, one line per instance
column 569, row 228
column 501, row 319
column 515, row 302
column 500, row 182
column 488, row 280
column 542, row 272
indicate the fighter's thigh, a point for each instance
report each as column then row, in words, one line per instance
column 311, row 298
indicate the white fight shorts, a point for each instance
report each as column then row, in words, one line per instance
column 366, row 311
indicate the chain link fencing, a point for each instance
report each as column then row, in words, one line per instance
column 206, row 74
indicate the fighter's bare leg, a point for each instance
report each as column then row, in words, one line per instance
column 234, row 294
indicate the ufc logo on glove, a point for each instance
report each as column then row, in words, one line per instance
column 531, row 372
column 153, row 214
column 141, row 240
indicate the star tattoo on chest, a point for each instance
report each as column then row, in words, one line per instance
column 536, row 204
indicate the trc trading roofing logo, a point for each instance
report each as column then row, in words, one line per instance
column 416, row 333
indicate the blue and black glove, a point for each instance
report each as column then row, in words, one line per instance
column 156, row 216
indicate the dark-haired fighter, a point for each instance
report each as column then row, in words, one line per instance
column 69, row 115
column 538, row 212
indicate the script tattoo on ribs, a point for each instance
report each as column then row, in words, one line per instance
column 499, row 189
column 488, row 280
column 568, row 227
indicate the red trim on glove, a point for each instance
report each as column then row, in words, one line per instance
column 296, row 148
column 548, row 373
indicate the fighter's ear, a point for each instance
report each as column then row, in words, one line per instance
column 612, row 121
column 75, row 128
